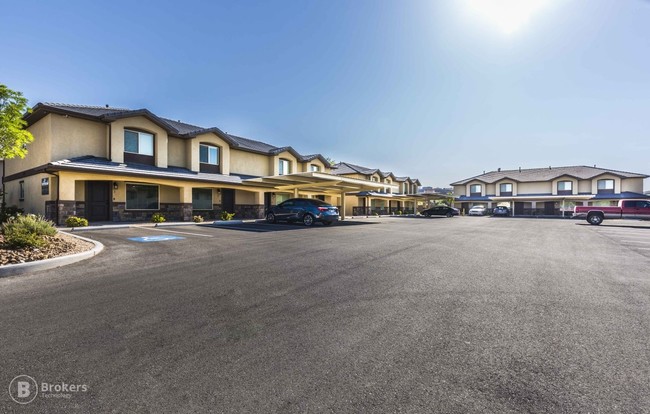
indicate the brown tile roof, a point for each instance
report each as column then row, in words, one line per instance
column 581, row 172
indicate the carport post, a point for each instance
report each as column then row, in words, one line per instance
column 342, row 212
column 295, row 193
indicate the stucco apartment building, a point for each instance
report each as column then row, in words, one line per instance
column 116, row 164
column 551, row 191
column 379, row 201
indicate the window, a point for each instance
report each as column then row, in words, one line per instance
column 202, row 199
column 285, row 167
column 45, row 186
column 564, row 187
column 373, row 179
column 314, row 168
column 209, row 154
column 138, row 142
column 505, row 189
column 141, row 197
column 21, row 189
column 606, row 186
column 475, row 190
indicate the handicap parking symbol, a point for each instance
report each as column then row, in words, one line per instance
column 148, row 239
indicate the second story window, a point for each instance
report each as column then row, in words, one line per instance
column 606, row 186
column 475, row 190
column 284, row 167
column 138, row 147
column 505, row 189
column 209, row 159
column 564, row 187
column 314, row 168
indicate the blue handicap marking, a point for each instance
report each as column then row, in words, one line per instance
column 147, row 239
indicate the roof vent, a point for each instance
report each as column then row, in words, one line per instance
column 519, row 169
column 499, row 169
column 107, row 105
column 549, row 167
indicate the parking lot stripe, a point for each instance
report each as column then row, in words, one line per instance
column 635, row 241
column 180, row 232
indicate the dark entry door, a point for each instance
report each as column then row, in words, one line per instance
column 267, row 200
column 98, row 200
column 519, row 208
column 549, row 208
column 228, row 200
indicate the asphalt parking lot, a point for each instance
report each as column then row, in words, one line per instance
column 467, row 314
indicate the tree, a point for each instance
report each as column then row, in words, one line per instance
column 330, row 160
column 13, row 135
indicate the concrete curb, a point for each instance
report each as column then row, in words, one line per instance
column 29, row 267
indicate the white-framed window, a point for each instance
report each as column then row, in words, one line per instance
column 142, row 197
column 564, row 187
column 314, row 168
column 606, row 186
column 202, row 199
column 137, row 142
column 284, row 167
column 505, row 189
column 475, row 189
column 208, row 154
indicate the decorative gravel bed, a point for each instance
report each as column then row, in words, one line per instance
column 59, row 245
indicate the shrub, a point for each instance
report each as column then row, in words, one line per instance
column 399, row 212
column 27, row 231
column 225, row 216
column 74, row 221
column 197, row 219
column 158, row 218
column 8, row 212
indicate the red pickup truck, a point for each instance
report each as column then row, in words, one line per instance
column 626, row 209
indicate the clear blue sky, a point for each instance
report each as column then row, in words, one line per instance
column 430, row 89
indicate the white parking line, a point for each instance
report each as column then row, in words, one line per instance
column 180, row 232
column 634, row 241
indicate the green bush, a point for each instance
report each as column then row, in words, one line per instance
column 8, row 212
column 197, row 219
column 399, row 212
column 74, row 221
column 225, row 216
column 158, row 218
column 27, row 231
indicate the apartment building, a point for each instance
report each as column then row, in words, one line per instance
column 381, row 201
column 117, row 164
column 551, row 191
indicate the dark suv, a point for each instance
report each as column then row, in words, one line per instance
column 306, row 210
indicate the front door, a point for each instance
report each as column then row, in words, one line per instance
column 549, row 208
column 228, row 200
column 98, row 200
column 519, row 208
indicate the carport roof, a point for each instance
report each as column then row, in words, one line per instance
column 316, row 182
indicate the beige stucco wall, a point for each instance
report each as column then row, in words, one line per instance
column 34, row 201
column 143, row 124
column 584, row 186
column 176, row 153
column 537, row 187
column 249, row 163
column 38, row 152
column 632, row 184
column 306, row 166
column 75, row 137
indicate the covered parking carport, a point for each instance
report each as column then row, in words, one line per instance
column 313, row 184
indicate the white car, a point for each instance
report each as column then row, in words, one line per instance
column 477, row 211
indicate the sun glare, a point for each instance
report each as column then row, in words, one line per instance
column 507, row 15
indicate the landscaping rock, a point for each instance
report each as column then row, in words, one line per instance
column 59, row 245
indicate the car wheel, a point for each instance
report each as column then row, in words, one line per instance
column 308, row 220
column 270, row 218
column 450, row 214
column 595, row 219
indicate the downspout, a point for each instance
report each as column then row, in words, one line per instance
column 110, row 142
